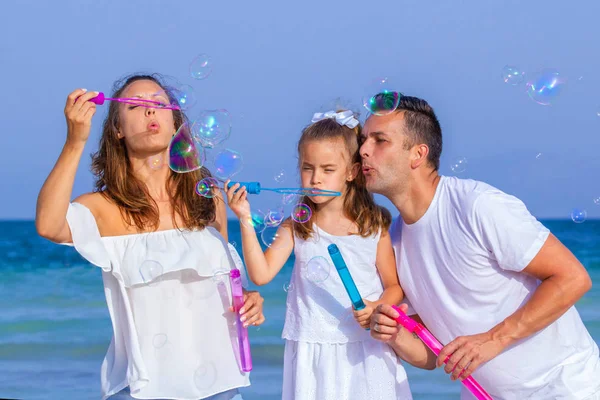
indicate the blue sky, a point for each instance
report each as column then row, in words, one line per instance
column 275, row 63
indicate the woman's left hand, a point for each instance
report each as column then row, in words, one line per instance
column 252, row 311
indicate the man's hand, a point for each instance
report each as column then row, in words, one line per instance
column 466, row 353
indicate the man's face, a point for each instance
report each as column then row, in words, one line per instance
column 385, row 161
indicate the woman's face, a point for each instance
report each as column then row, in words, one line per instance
column 146, row 131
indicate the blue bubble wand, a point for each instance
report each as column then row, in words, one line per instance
column 256, row 188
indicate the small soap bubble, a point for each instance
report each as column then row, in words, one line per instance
column 150, row 270
column 459, row 165
column 301, row 213
column 270, row 237
column 207, row 187
column 597, row 201
column 317, row 269
column 159, row 340
column 288, row 287
column 289, row 199
column 380, row 97
column 221, row 275
column 578, row 215
column 256, row 220
column 205, row 376
column 227, row 163
column 273, row 218
column 156, row 162
column 545, row 86
column 512, row 75
column 201, row 66
column 212, row 127
column 280, row 176
column 184, row 96
column 538, row 156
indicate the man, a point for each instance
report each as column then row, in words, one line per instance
column 480, row 272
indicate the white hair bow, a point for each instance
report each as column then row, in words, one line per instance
column 342, row 118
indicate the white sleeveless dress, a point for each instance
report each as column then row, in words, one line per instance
column 327, row 354
column 168, row 295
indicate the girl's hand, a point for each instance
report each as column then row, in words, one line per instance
column 236, row 199
column 79, row 112
column 363, row 317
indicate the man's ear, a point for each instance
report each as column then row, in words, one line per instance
column 418, row 155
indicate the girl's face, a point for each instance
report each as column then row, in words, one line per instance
column 145, row 130
column 326, row 164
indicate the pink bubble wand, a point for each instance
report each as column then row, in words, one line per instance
column 430, row 341
column 100, row 99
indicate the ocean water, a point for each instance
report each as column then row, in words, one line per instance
column 55, row 327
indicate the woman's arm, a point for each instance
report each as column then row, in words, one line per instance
column 54, row 197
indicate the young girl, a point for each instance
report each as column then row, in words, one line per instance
column 158, row 245
column 328, row 354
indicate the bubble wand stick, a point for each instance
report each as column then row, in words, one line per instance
column 256, row 188
column 238, row 302
column 430, row 341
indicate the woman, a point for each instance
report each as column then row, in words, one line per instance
column 162, row 250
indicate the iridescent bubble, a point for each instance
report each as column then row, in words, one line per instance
column 459, row 165
column 380, row 98
column 184, row 95
column 288, row 287
column 150, row 270
column 512, row 75
column 301, row 213
column 156, row 162
column 270, row 237
column 183, row 153
column 256, row 220
column 201, row 66
column 221, row 275
column 159, row 340
column 317, row 269
column 578, row 215
column 228, row 163
column 273, row 218
column 597, row 201
column 538, row 156
column 544, row 87
column 207, row 187
column 280, row 176
column 205, row 376
column 212, row 127
column 289, row 199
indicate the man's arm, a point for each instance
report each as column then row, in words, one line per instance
column 507, row 225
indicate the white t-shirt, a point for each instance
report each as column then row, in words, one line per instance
column 459, row 266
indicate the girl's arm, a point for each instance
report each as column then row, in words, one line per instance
column 261, row 268
column 392, row 292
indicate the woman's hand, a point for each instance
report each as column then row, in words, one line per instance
column 79, row 112
column 252, row 311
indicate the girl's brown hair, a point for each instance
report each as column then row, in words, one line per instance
column 114, row 176
column 359, row 205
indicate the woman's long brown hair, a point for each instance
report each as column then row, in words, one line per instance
column 114, row 176
column 359, row 205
